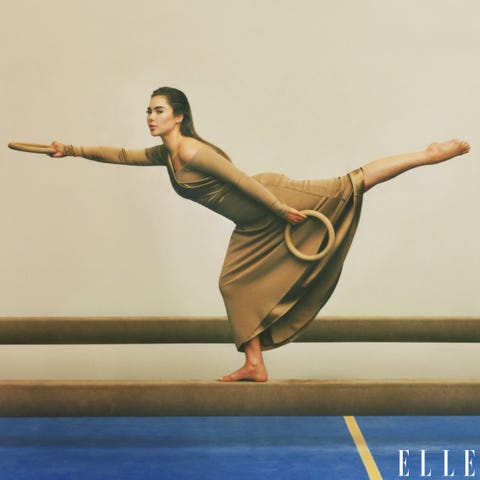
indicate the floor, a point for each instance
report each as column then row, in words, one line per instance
column 239, row 448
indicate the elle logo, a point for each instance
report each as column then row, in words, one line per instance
column 426, row 470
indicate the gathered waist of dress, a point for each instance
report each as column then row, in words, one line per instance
column 239, row 208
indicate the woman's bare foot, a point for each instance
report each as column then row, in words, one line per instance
column 385, row 168
column 249, row 372
column 440, row 151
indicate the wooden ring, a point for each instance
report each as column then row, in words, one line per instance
column 322, row 253
column 31, row 147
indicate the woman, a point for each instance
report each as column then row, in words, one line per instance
column 269, row 294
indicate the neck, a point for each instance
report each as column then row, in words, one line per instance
column 172, row 141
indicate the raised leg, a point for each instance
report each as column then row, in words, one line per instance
column 386, row 168
column 254, row 369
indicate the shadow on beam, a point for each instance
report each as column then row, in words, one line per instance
column 208, row 398
column 107, row 330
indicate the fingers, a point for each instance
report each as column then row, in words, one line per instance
column 295, row 217
column 298, row 219
column 299, row 216
column 59, row 147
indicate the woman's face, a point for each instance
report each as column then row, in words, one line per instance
column 160, row 117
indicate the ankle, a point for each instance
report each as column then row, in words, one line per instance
column 254, row 363
column 431, row 154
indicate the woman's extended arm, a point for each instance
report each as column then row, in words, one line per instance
column 144, row 157
column 208, row 161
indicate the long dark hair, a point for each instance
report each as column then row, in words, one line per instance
column 181, row 106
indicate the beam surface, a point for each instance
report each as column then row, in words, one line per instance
column 20, row 398
column 110, row 330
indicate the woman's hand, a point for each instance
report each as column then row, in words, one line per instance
column 60, row 149
column 294, row 217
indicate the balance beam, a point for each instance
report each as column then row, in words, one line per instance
column 20, row 398
column 113, row 330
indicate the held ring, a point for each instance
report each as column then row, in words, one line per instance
column 331, row 237
column 31, row 147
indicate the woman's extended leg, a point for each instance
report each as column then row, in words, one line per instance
column 386, row 168
column 254, row 368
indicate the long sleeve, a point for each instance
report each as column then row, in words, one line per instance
column 143, row 157
column 208, row 161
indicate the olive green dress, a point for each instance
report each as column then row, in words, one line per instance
column 267, row 291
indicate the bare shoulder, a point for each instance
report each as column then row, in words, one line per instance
column 190, row 147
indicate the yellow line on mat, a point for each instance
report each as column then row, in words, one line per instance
column 363, row 450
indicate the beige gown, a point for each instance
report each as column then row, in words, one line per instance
column 267, row 291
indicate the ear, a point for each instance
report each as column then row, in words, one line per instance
column 179, row 118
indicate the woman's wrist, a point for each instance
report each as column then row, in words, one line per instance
column 70, row 151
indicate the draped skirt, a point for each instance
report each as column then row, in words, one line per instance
column 267, row 291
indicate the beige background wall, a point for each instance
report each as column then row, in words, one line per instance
column 307, row 88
